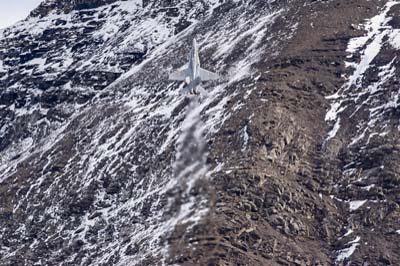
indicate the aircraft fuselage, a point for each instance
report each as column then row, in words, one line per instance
column 193, row 80
column 193, row 75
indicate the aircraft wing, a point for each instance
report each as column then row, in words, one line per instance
column 208, row 75
column 178, row 75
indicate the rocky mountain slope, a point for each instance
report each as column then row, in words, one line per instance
column 292, row 158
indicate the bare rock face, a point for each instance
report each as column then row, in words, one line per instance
column 292, row 158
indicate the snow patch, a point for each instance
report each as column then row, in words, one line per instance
column 245, row 139
column 394, row 39
column 356, row 204
column 347, row 252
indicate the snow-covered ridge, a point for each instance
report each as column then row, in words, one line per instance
column 355, row 91
column 364, row 111
column 76, row 54
column 110, row 184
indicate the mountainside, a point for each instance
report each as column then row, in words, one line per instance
column 291, row 159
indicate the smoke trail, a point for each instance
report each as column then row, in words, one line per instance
column 190, row 164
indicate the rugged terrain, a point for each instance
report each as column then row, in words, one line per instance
column 292, row 158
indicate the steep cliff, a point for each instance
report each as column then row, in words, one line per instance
column 292, row 158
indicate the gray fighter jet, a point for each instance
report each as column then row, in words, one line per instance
column 193, row 75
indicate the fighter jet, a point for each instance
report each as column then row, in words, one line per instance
column 193, row 75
